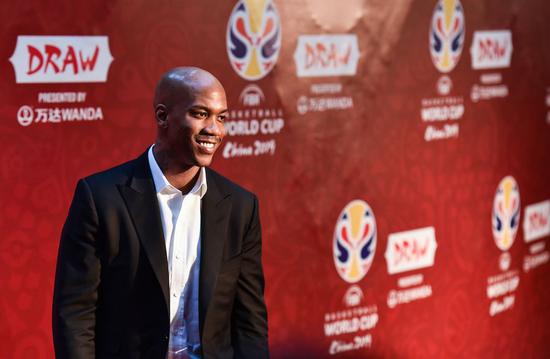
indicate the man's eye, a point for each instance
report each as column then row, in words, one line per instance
column 222, row 118
column 199, row 114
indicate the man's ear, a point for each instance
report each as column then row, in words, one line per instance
column 161, row 115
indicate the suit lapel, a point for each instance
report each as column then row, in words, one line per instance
column 215, row 210
column 141, row 200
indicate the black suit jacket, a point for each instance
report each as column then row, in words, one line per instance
column 111, row 285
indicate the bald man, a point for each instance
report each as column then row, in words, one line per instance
column 160, row 257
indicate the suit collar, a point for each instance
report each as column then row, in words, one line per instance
column 140, row 197
column 216, row 206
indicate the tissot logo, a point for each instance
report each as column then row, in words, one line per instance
column 491, row 49
column 61, row 59
column 326, row 55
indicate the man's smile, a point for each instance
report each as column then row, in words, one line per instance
column 207, row 143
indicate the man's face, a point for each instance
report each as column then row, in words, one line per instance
column 195, row 126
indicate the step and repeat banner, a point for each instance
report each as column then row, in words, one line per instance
column 400, row 151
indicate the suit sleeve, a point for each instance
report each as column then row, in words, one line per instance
column 77, row 280
column 249, row 329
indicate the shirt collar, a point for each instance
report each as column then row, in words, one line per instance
column 164, row 187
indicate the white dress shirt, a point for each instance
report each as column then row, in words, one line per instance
column 181, row 221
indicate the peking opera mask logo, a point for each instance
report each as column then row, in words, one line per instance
column 253, row 38
column 506, row 212
column 354, row 241
column 447, row 34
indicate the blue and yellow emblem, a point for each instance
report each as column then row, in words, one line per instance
column 506, row 212
column 354, row 241
column 253, row 38
column 447, row 33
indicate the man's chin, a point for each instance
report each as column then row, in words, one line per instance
column 204, row 160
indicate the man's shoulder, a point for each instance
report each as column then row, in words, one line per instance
column 227, row 186
column 116, row 175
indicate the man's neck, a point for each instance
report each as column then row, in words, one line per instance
column 181, row 177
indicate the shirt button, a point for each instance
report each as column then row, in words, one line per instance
column 174, row 295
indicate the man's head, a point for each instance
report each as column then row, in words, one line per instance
column 190, row 109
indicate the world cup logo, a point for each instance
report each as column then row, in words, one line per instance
column 506, row 211
column 447, row 34
column 354, row 241
column 253, row 38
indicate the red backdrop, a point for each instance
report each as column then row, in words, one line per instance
column 434, row 115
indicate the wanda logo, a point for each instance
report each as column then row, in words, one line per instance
column 51, row 59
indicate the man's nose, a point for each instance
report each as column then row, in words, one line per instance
column 215, row 127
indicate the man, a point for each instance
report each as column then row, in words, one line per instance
column 160, row 257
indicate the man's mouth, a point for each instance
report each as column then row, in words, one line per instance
column 208, row 144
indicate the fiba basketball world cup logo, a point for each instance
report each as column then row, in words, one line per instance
column 447, row 34
column 506, row 212
column 354, row 241
column 253, row 38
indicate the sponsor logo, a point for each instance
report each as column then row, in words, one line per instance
column 411, row 250
column 324, row 97
column 447, row 32
column 480, row 92
column 52, row 108
column 253, row 38
column 326, row 55
column 406, row 251
column 352, row 327
column 353, row 297
column 441, row 115
column 505, row 223
column 61, row 59
column 490, row 86
column 501, row 291
column 354, row 241
column 444, row 85
column 404, row 296
column 253, row 118
column 536, row 221
column 504, row 261
column 252, row 95
column 349, row 328
column 321, row 104
column 26, row 115
column 506, row 213
column 538, row 255
column 491, row 49
column 358, row 342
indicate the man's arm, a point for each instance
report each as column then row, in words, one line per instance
column 77, row 280
column 249, row 320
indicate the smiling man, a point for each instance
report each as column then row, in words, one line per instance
column 160, row 257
